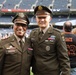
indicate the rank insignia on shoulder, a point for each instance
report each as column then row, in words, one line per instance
column 63, row 38
column 62, row 35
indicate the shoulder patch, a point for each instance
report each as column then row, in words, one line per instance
column 62, row 35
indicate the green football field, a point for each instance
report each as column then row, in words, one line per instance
column 31, row 71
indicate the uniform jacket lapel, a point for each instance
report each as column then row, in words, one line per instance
column 26, row 44
column 36, row 35
column 15, row 43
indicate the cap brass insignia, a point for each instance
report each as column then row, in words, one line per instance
column 40, row 8
column 21, row 14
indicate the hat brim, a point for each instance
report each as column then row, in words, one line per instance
column 20, row 22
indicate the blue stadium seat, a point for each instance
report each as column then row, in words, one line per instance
column 44, row 2
column 1, row 1
column 73, row 4
column 9, row 4
column 60, row 4
column 26, row 4
column 5, row 19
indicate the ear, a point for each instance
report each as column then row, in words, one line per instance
column 26, row 27
column 50, row 18
column 13, row 26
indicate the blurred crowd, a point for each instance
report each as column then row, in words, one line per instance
column 4, row 34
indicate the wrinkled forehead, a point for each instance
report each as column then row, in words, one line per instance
column 42, row 12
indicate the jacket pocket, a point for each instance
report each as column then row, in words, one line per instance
column 11, row 55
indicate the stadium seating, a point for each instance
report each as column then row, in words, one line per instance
column 28, row 5
column 5, row 19
column 1, row 1
column 10, row 4
column 60, row 4
column 44, row 2
column 73, row 4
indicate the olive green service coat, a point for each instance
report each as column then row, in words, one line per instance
column 14, row 60
column 50, row 54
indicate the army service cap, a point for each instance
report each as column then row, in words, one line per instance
column 21, row 18
column 42, row 9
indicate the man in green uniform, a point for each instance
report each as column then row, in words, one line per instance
column 14, row 57
column 49, row 48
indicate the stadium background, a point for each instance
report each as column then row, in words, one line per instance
column 63, row 10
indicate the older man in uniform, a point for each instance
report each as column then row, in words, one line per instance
column 50, row 52
column 14, row 57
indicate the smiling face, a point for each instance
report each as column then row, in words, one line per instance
column 43, row 18
column 19, row 29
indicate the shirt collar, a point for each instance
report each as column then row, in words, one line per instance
column 44, row 30
column 18, row 39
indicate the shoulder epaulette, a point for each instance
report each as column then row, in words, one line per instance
column 35, row 29
column 5, row 39
column 62, row 33
column 56, row 29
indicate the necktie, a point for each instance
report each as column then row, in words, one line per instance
column 21, row 44
column 40, row 35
